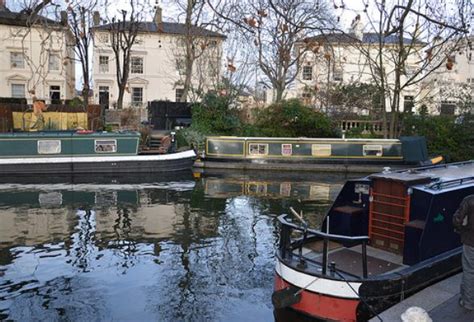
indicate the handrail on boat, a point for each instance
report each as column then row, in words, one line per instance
column 450, row 183
column 285, row 241
column 434, row 166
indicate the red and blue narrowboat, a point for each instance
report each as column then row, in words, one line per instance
column 385, row 237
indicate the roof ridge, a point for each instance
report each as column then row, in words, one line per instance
column 167, row 27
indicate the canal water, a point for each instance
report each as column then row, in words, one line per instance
column 170, row 248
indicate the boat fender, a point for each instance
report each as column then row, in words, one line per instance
column 415, row 313
column 286, row 297
column 437, row 160
column 289, row 295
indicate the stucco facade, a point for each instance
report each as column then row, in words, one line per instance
column 156, row 71
column 450, row 89
column 347, row 59
column 35, row 59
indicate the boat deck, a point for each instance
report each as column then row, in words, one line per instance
column 349, row 260
column 442, row 173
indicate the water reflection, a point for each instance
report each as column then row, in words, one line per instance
column 149, row 248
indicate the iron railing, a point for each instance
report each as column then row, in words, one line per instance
column 287, row 246
column 451, row 183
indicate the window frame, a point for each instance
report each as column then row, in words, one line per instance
column 56, row 90
column 104, row 37
column 105, row 142
column 337, row 74
column 178, row 97
column 104, row 67
column 50, row 62
column 317, row 148
column 48, row 149
column 408, row 103
column 18, row 84
column 21, row 59
column 136, row 103
column 137, row 68
column 372, row 147
column 181, row 66
column 306, row 95
column 287, row 147
column 307, row 75
column 259, row 146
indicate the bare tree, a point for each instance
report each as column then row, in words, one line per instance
column 411, row 40
column 275, row 27
column 123, row 34
column 198, row 54
column 81, row 17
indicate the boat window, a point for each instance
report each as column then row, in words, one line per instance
column 372, row 150
column 285, row 189
column 258, row 149
column 286, row 149
column 257, row 188
column 49, row 146
column 321, row 150
column 105, row 146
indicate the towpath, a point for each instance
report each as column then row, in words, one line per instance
column 439, row 300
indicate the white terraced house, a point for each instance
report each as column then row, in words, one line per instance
column 450, row 89
column 342, row 59
column 34, row 57
column 157, row 69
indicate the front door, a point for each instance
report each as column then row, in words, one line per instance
column 104, row 96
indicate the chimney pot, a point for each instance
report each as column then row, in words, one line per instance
column 96, row 18
column 2, row 4
column 158, row 16
column 63, row 17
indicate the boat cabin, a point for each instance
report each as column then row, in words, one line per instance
column 67, row 143
column 330, row 150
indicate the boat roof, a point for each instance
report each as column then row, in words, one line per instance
column 66, row 134
column 301, row 139
column 440, row 177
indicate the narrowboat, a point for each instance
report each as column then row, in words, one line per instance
column 83, row 152
column 365, row 155
column 385, row 237
column 302, row 186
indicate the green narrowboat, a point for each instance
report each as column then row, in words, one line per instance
column 66, row 152
column 312, row 153
column 67, row 144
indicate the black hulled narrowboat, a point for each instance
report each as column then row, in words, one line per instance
column 385, row 237
column 271, row 153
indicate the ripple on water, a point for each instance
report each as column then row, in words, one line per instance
column 167, row 251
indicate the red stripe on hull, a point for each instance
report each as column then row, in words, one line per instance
column 322, row 306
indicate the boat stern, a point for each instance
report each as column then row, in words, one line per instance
column 315, row 296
